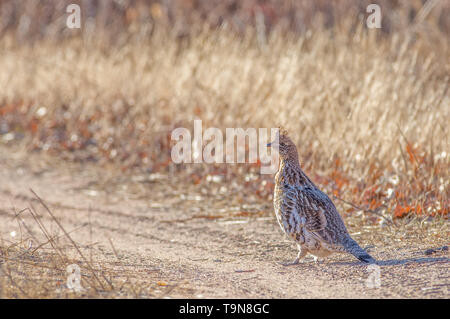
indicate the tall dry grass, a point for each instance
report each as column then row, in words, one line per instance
column 40, row 262
column 369, row 112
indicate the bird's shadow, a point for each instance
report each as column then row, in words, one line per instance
column 394, row 262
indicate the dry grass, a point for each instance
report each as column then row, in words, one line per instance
column 35, row 263
column 369, row 114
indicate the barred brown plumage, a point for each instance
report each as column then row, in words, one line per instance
column 305, row 213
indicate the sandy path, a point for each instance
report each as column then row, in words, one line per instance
column 218, row 258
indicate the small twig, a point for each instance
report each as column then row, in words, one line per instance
column 46, row 234
column 120, row 262
column 18, row 216
column 70, row 238
column 54, row 237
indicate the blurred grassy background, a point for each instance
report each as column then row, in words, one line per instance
column 368, row 109
column 36, row 19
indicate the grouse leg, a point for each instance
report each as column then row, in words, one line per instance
column 301, row 253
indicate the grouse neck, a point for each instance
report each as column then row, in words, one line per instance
column 291, row 173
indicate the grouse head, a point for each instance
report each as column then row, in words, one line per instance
column 284, row 145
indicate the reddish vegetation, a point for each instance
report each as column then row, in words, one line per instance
column 414, row 195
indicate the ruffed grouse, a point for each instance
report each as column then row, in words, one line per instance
column 305, row 213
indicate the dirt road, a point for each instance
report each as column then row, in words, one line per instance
column 166, row 232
